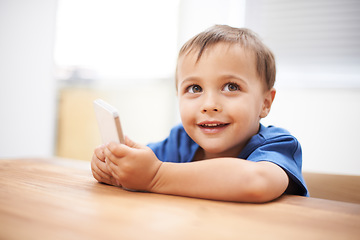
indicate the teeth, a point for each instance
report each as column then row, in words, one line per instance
column 211, row 125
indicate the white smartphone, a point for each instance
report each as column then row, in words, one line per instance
column 109, row 122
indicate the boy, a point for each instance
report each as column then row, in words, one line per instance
column 224, row 81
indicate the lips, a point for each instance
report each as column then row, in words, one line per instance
column 212, row 126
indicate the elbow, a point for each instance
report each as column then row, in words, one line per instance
column 262, row 188
column 259, row 194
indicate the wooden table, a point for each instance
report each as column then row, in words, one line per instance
column 59, row 199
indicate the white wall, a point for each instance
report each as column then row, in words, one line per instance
column 196, row 16
column 27, row 87
column 326, row 122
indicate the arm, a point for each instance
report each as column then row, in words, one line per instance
column 228, row 179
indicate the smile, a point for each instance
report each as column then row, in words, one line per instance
column 212, row 127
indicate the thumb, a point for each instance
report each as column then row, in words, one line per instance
column 117, row 149
column 131, row 143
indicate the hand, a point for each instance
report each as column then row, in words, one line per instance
column 99, row 168
column 134, row 166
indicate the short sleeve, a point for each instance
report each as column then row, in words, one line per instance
column 278, row 146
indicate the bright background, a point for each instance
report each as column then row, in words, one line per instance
column 56, row 56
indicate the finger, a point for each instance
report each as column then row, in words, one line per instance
column 99, row 174
column 99, row 152
column 116, row 150
column 115, row 182
column 104, row 175
column 110, row 159
column 98, row 177
column 131, row 143
column 112, row 168
column 103, row 168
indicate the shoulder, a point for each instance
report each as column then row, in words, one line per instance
column 277, row 145
column 272, row 133
column 273, row 139
column 281, row 140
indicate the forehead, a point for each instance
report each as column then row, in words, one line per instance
column 220, row 56
column 198, row 51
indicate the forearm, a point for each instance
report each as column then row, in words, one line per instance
column 228, row 179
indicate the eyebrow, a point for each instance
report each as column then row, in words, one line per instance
column 223, row 78
column 231, row 76
column 237, row 79
column 189, row 79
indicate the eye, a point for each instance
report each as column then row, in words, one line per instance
column 194, row 89
column 231, row 87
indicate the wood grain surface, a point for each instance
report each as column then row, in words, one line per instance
column 59, row 199
column 337, row 187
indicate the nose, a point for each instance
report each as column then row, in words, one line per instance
column 211, row 104
column 214, row 109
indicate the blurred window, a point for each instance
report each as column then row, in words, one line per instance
column 112, row 40
column 316, row 43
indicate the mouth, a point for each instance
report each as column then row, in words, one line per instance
column 212, row 127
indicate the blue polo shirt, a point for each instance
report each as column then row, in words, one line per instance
column 270, row 144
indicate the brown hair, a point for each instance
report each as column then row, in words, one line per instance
column 265, row 60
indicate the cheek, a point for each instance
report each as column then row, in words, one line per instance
column 183, row 106
column 187, row 110
column 245, row 111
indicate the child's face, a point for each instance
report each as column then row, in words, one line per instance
column 221, row 99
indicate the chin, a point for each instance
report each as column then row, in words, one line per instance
column 214, row 150
column 221, row 149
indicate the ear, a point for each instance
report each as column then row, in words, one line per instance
column 268, row 100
